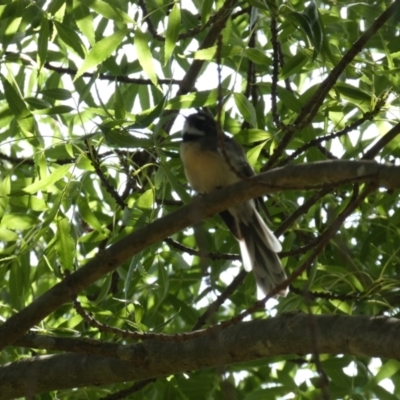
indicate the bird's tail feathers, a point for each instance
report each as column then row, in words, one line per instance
column 258, row 247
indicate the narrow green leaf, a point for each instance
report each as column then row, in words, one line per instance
column 144, row 56
column 139, row 312
column 146, row 200
column 84, row 20
column 206, row 10
column 87, row 214
column 117, row 138
column 388, row 369
column 193, row 100
column 36, row 103
column 48, row 180
column 105, row 289
column 101, row 51
column 109, row 11
column 294, row 65
column 15, row 286
column 252, row 135
column 172, row 34
column 254, row 153
column 134, row 266
column 55, row 6
column 56, row 93
column 70, row 38
column 148, row 116
column 19, row 221
column 15, row 101
column 43, row 41
column 354, row 95
column 317, row 33
column 65, row 245
column 302, row 21
column 262, row 5
column 257, row 57
column 10, row 26
column 57, row 110
column 289, row 99
column 210, row 53
column 7, row 235
column 177, row 186
column 5, row 189
column 245, row 108
column 119, row 106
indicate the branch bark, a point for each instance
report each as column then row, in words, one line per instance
column 283, row 335
column 292, row 177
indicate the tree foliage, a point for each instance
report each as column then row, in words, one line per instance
column 114, row 283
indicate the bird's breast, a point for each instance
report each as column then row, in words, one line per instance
column 205, row 169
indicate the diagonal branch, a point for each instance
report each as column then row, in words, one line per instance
column 299, row 177
column 311, row 108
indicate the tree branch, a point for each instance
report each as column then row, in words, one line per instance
column 254, row 340
column 311, row 108
column 291, row 177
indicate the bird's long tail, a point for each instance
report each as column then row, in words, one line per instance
column 258, row 246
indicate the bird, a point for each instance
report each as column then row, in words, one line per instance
column 204, row 153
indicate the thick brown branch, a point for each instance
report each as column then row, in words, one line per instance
column 283, row 335
column 299, row 177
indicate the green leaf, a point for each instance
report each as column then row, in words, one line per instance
column 193, row 100
column 317, row 33
column 87, row 214
column 84, row 20
column 388, row 369
column 43, row 41
column 289, row 99
column 119, row 106
column 144, row 55
column 146, row 200
column 254, row 153
column 15, row 101
column 293, row 65
column 70, row 38
column 5, row 189
column 105, row 289
column 7, row 235
column 65, row 245
column 19, row 221
column 15, row 285
column 49, row 180
column 176, row 185
column 252, row 135
column 117, row 138
column 57, row 110
column 206, row 9
column 245, row 108
column 172, row 34
column 56, row 93
column 55, row 6
column 210, row 53
column 258, row 57
column 101, row 51
column 109, row 11
column 354, row 95
column 309, row 22
column 148, row 116
column 302, row 21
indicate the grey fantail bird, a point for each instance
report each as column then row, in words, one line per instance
column 206, row 169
